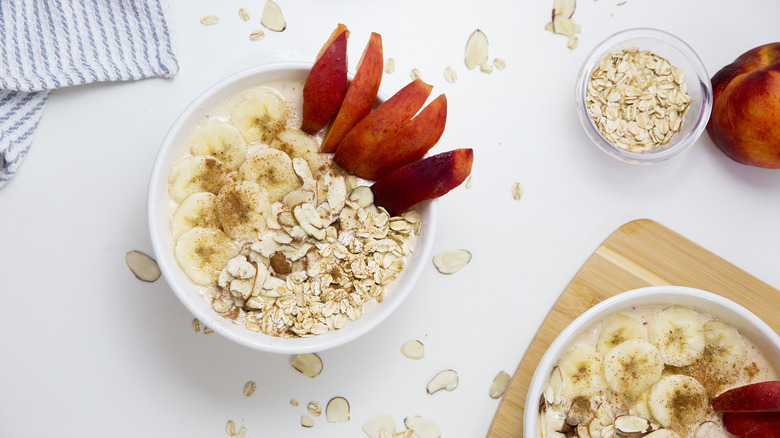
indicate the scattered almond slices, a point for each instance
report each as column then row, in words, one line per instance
column 562, row 22
column 308, row 364
column 307, row 421
column 476, row 50
column 413, row 349
column 499, row 385
column 337, row 410
column 380, row 426
column 272, row 17
column 142, row 266
column 450, row 262
column 423, row 427
column 445, row 379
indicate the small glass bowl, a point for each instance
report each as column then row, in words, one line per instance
column 680, row 55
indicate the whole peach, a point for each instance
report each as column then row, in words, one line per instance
column 745, row 120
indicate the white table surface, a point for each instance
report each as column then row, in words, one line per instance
column 88, row 350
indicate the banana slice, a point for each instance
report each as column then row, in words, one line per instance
column 260, row 115
column 678, row 402
column 633, row 366
column 242, row 208
column 198, row 173
column 725, row 349
column 298, row 144
column 196, row 210
column 202, row 253
column 222, row 141
column 580, row 370
column 273, row 170
column 678, row 333
column 618, row 328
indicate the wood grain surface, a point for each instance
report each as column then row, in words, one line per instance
column 638, row 254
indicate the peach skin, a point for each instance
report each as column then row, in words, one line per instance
column 409, row 144
column 745, row 120
column 429, row 178
column 327, row 83
column 380, row 124
column 361, row 94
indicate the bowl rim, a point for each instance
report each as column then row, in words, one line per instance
column 705, row 85
column 704, row 301
column 159, row 234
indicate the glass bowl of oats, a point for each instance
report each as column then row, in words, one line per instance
column 643, row 96
column 263, row 238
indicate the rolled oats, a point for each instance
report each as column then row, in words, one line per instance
column 637, row 100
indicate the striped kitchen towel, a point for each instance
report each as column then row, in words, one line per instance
column 48, row 44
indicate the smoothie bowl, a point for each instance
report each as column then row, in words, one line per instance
column 648, row 363
column 262, row 237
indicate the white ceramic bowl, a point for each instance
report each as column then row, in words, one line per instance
column 751, row 326
column 158, row 216
column 680, row 55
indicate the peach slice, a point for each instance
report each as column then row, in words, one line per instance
column 409, row 144
column 425, row 179
column 327, row 83
column 753, row 424
column 756, row 397
column 380, row 124
column 361, row 94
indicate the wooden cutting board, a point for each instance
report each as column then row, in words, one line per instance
column 640, row 253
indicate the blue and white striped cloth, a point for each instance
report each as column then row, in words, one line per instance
column 48, row 44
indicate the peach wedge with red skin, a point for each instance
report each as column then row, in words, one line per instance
column 429, row 178
column 745, row 120
column 326, row 85
column 380, row 124
column 752, row 424
column 360, row 96
column 756, row 397
column 409, row 144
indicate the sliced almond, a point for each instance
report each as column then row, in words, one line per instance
column 337, row 410
column 608, row 431
column 308, row 364
column 302, row 169
column 296, row 197
column 564, row 8
column 708, row 429
column 631, row 425
column 445, row 379
column 476, row 49
column 337, row 194
column 565, row 26
column 380, row 426
column 499, row 385
column 666, row 433
column 362, row 196
column 314, row 408
column 272, row 17
column 450, row 262
column 423, row 427
column 582, row 431
column 307, row 421
column 142, row 266
column 413, row 349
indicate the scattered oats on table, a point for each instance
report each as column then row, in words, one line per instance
column 389, row 65
column 209, row 20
